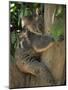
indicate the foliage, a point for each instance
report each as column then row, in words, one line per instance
column 13, row 42
column 58, row 29
column 58, row 26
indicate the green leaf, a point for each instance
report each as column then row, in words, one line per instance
column 27, row 12
column 58, row 29
column 13, row 37
column 12, row 5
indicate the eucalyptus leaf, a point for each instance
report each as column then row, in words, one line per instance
column 13, row 37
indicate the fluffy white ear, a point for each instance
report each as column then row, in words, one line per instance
column 21, row 43
column 22, row 23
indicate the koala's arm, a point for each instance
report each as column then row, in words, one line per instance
column 37, row 49
column 42, row 44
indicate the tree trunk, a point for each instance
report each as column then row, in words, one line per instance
column 54, row 57
column 49, row 11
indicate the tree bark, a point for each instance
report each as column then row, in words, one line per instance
column 49, row 11
column 54, row 57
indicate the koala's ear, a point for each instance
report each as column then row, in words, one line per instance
column 22, row 23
